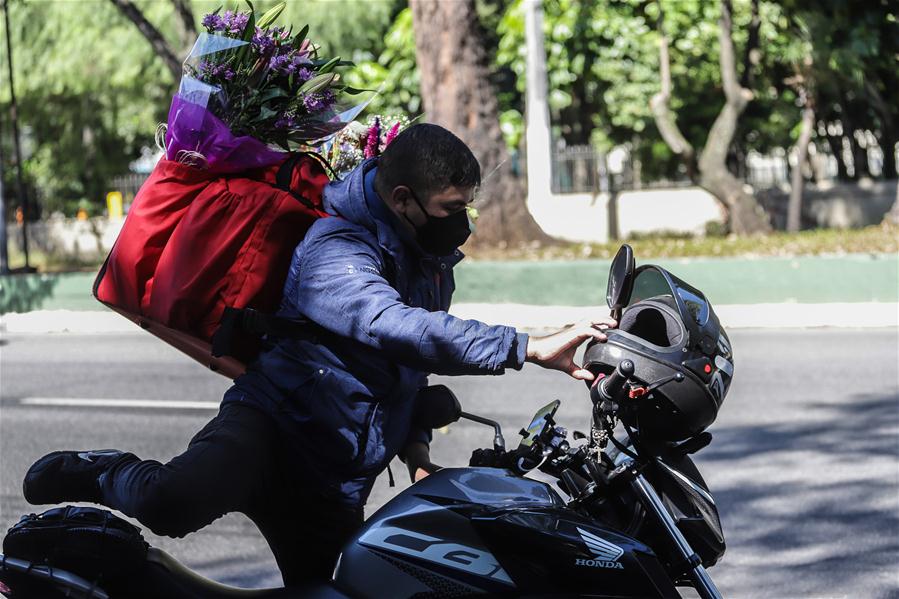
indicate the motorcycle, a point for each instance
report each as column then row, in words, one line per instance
column 612, row 513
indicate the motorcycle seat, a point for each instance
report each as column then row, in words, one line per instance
column 178, row 578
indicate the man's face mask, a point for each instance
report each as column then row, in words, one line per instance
column 439, row 236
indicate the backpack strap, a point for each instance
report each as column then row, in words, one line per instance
column 284, row 176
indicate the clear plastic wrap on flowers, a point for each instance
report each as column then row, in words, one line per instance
column 250, row 92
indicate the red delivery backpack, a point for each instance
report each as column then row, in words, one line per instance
column 202, row 258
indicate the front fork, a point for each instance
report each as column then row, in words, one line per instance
column 653, row 504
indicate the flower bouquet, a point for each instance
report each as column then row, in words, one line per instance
column 358, row 141
column 251, row 91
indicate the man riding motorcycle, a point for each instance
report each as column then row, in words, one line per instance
column 301, row 437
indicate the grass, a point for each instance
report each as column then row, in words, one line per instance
column 877, row 239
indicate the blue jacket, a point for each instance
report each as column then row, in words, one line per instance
column 343, row 396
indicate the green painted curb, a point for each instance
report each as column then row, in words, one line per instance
column 808, row 279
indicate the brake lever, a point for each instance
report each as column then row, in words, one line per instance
column 638, row 392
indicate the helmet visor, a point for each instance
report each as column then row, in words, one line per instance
column 693, row 307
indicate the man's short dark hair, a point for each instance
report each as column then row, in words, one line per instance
column 429, row 159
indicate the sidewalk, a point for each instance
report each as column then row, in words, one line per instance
column 520, row 316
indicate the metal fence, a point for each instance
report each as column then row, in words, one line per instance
column 582, row 169
column 128, row 185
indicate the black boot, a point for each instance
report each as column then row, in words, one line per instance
column 69, row 476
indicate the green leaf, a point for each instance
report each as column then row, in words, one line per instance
column 354, row 91
column 298, row 40
column 269, row 17
column 264, row 113
column 272, row 93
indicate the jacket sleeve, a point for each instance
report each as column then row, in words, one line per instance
column 341, row 288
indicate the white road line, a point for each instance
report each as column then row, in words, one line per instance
column 119, row 403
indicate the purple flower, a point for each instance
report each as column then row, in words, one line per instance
column 239, row 23
column 263, row 41
column 292, row 63
column 318, row 101
column 232, row 22
column 279, row 62
column 287, row 121
column 228, row 22
column 372, row 145
column 211, row 70
column 297, row 66
column 212, row 22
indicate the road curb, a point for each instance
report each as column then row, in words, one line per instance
column 520, row 316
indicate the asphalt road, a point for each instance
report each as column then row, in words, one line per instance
column 804, row 465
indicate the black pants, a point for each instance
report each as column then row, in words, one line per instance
column 234, row 464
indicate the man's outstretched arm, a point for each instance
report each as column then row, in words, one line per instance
column 342, row 288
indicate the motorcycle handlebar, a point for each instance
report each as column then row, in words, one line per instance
column 610, row 388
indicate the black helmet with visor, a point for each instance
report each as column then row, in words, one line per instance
column 666, row 328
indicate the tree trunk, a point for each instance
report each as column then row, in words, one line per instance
column 157, row 41
column 455, row 88
column 187, row 27
column 794, row 208
column 888, row 146
column 860, row 156
column 745, row 214
column 664, row 118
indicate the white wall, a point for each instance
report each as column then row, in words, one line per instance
column 584, row 218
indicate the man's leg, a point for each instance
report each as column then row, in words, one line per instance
column 215, row 475
column 305, row 532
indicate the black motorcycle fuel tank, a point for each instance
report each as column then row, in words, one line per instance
column 468, row 531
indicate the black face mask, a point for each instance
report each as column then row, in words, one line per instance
column 439, row 236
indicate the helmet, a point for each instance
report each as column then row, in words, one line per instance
column 668, row 327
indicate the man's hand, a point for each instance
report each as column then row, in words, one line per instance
column 557, row 351
column 418, row 461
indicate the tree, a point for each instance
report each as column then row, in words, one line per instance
column 456, row 91
column 745, row 215
column 160, row 45
column 393, row 73
column 91, row 94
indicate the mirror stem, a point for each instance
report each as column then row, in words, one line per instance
column 499, row 444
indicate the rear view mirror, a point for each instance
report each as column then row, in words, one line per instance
column 621, row 280
column 435, row 407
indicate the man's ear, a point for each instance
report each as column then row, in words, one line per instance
column 400, row 197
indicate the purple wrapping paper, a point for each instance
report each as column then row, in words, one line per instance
column 192, row 128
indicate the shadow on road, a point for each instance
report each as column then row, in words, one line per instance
column 846, row 520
